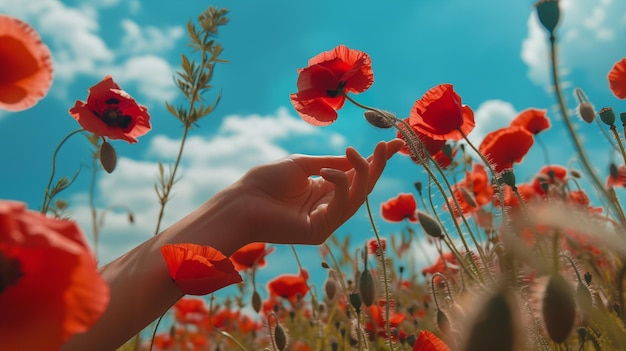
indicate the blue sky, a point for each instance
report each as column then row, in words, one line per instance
column 492, row 51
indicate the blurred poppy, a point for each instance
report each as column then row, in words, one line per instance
column 618, row 178
column 50, row 288
column 533, row 120
column 251, row 255
column 289, row 286
column 504, row 146
column 197, row 269
column 111, row 112
column 446, row 262
column 440, row 114
column 26, row 65
column 550, row 175
column 617, row 79
column 427, row 341
column 190, row 311
column 377, row 322
column 526, row 191
column 374, row 248
column 400, row 208
column 472, row 192
column 323, row 83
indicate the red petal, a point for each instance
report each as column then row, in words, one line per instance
column 533, row 120
column 315, row 112
column 617, row 79
column 26, row 65
column 427, row 341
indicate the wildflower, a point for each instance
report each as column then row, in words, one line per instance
column 197, row 269
column 190, row 311
column 400, row 208
column 374, row 248
column 251, row 255
column 440, row 114
column 323, row 83
column 533, row 120
column 552, row 175
column 617, row 79
column 472, row 192
column 111, row 112
column 445, row 263
column 289, row 286
column 618, row 178
column 504, row 146
column 427, row 341
column 378, row 322
column 26, row 65
column 50, row 288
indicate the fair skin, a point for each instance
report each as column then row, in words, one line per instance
column 297, row 200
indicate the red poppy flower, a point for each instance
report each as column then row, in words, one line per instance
column 617, row 79
column 377, row 323
column 329, row 75
column 251, row 255
column 446, row 262
column 552, row 175
column 473, row 192
column 373, row 247
column 289, row 286
column 26, row 65
column 427, row 341
column 111, row 112
column 197, row 269
column 504, row 146
column 50, row 288
column 526, row 191
column 619, row 179
column 190, row 311
column 533, row 120
column 400, row 208
column 441, row 115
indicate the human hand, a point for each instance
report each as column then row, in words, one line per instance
column 285, row 201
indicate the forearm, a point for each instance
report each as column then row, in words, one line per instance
column 140, row 286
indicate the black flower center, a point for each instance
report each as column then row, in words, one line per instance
column 113, row 116
column 10, row 271
column 336, row 92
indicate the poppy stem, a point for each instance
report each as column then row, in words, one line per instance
column 577, row 145
column 49, row 194
column 619, row 141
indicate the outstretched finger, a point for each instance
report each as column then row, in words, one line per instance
column 359, row 181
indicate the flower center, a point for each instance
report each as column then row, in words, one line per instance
column 10, row 271
column 113, row 116
column 335, row 93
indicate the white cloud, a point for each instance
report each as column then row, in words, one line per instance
column 152, row 75
column 148, row 39
column 208, row 165
column 491, row 115
column 586, row 37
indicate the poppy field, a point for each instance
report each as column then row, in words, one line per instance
column 521, row 265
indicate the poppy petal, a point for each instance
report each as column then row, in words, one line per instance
column 26, row 65
column 427, row 341
column 617, row 79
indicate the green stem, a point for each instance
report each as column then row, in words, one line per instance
column 47, row 198
column 570, row 128
column 619, row 141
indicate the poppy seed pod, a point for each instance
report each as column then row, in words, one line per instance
column 430, row 225
column 548, row 13
column 355, row 300
column 367, row 287
column 330, row 287
column 493, row 327
column 280, row 337
column 622, row 117
column 607, row 115
column 558, row 308
column 508, row 177
column 380, row 119
column 108, row 157
column 586, row 112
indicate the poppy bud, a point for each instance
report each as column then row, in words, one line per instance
column 575, row 173
column 355, row 300
column 330, row 287
column 607, row 115
column 325, row 265
column 280, row 337
column 468, row 197
column 558, row 308
column 508, row 177
column 494, row 326
column 367, row 287
column 418, row 187
column 548, row 13
column 586, row 112
column 256, row 301
column 108, row 157
column 382, row 119
column 443, row 322
column 429, row 224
